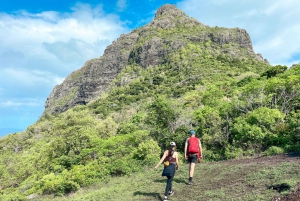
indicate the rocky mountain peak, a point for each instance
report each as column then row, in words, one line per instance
column 168, row 9
column 169, row 16
column 148, row 46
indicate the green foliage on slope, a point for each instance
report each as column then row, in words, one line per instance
column 235, row 111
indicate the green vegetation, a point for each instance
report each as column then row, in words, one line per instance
column 248, row 179
column 238, row 106
column 70, row 96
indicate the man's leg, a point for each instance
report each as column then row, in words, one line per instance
column 191, row 169
column 190, row 166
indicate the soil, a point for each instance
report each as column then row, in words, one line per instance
column 249, row 165
column 293, row 195
column 291, row 157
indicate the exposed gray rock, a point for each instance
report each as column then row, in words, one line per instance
column 92, row 79
column 146, row 47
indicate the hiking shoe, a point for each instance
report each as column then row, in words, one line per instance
column 171, row 193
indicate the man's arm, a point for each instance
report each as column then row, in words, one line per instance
column 200, row 148
column 177, row 161
column 185, row 148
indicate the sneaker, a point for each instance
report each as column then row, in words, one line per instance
column 190, row 183
column 165, row 199
column 171, row 193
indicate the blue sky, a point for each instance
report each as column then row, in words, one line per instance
column 41, row 42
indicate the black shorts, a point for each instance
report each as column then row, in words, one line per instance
column 192, row 158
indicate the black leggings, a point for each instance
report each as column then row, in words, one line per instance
column 169, row 185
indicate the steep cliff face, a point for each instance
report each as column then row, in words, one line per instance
column 147, row 46
column 92, row 79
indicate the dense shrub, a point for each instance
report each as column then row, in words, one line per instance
column 273, row 150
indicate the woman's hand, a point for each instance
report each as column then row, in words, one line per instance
column 155, row 167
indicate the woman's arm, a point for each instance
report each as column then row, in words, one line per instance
column 162, row 159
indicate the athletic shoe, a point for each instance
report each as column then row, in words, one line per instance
column 190, row 183
column 165, row 199
column 171, row 193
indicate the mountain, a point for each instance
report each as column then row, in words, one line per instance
column 118, row 113
column 148, row 46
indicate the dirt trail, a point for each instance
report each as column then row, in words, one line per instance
column 266, row 160
column 229, row 175
column 294, row 195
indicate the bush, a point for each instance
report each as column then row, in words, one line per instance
column 57, row 184
column 147, row 152
column 273, row 150
column 257, row 129
column 209, row 155
column 13, row 197
column 232, row 152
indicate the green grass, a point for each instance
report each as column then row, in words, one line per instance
column 226, row 180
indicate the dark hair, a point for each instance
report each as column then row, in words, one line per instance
column 171, row 151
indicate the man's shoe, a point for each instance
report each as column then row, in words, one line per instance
column 171, row 193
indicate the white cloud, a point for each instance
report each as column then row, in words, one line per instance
column 80, row 35
column 52, row 42
column 273, row 25
column 121, row 4
column 15, row 103
column 38, row 50
column 26, row 77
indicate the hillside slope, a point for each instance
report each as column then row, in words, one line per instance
column 262, row 178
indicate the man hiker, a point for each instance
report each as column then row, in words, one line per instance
column 193, row 153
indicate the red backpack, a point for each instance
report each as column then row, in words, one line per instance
column 193, row 145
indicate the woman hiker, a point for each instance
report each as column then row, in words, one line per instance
column 171, row 157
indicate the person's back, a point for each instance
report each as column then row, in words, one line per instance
column 192, row 152
column 170, row 157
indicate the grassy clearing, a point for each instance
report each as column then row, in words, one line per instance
column 228, row 180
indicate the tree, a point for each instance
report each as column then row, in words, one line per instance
column 257, row 129
column 274, row 71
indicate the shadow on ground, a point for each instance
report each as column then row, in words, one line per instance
column 181, row 181
column 293, row 154
column 154, row 195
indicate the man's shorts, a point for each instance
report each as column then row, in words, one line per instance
column 192, row 158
